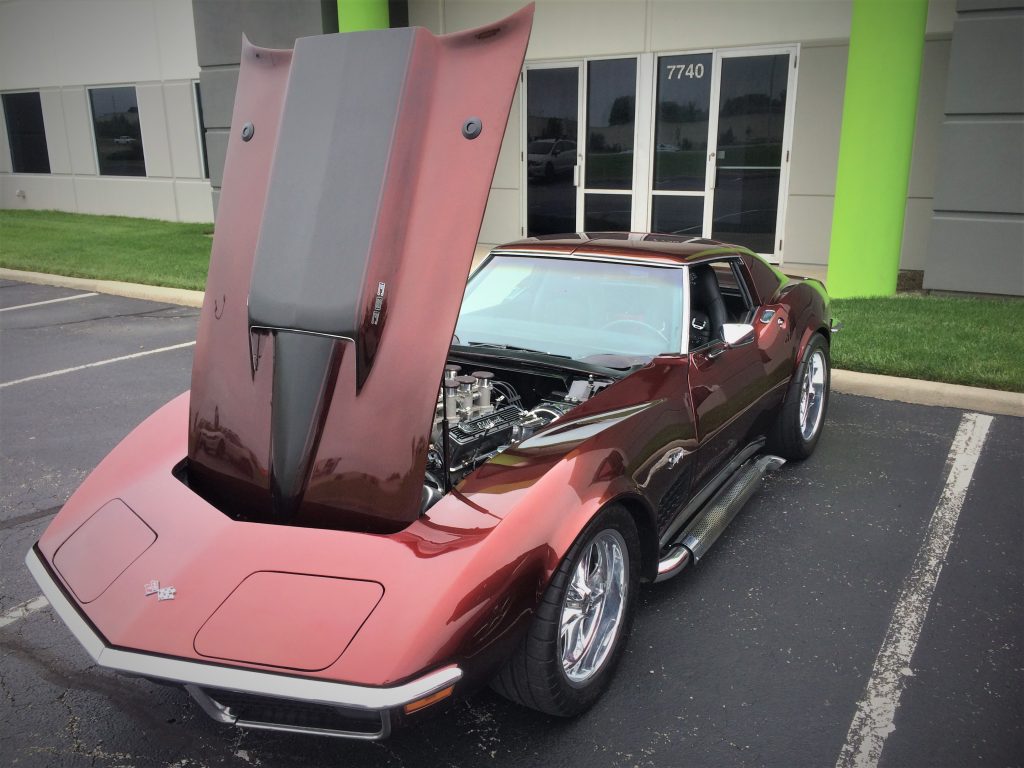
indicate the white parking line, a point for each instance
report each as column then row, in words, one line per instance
column 22, row 610
column 874, row 719
column 49, row 301
column 93, row 365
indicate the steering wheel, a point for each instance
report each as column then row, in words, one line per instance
column 649, row 329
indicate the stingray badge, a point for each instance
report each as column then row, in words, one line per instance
column 162, row 593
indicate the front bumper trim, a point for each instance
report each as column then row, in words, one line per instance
column 200, row 674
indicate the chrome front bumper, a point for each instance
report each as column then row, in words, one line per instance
column 203, row 680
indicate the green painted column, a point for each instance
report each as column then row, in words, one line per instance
column 355, row 15
column 883, row 73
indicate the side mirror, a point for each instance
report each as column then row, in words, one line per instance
column 737, row 334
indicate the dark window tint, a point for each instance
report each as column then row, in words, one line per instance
column 607, row 212
column 678, row 215
column 552, row 98
column 115, row 118
column 611, row 118
column 751, row 119
column 25, row 133
column 681, row 130
column 752, row 110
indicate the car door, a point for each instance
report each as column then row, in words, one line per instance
column 733, row 389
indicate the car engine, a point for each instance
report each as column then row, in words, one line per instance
column 478, row 416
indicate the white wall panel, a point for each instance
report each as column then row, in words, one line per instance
column 699, row 24
column 126, row 196
column 92, row 42
column 155, row 142
column 78, row 127
column 195, row 201
column 501, row 219
column 176, row 36
column 41, row 192
column 818, row 120
column 507, row 172
column 808, row 229
column 182, row 130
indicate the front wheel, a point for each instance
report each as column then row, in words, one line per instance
column 576, row 637
column 802, row 417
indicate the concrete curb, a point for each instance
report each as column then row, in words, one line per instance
column 921, row 392
column 129, row 290
column 873, row 385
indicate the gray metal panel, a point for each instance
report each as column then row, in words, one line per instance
column 979, row 255
column 217, row 87
column 969, row 6
column 981, row 166
column 271, row 23
column 986, row 69
column 325, row 185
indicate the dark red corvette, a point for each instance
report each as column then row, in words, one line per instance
column 355, row 516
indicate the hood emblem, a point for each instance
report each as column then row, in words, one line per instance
column 162, row 593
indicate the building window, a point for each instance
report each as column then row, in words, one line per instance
column 25, row 133
column 115, row 119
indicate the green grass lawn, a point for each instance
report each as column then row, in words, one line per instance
column 974, row 341
column 106, row 247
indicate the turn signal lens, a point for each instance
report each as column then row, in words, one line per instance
column 426, row 701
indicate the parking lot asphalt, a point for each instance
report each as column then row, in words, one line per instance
column 760, row 655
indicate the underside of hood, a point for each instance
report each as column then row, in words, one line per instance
column 355, row 182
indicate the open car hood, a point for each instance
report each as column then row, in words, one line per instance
column 356, row 177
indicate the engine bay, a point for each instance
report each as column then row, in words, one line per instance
column 480, row 413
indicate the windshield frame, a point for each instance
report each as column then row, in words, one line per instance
column 572, row 256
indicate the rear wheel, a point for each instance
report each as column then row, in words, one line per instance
column 802, row 417
column 576, row 637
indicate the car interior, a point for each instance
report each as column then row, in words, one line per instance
column 716, row 298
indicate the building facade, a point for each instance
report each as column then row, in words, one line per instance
column 713, row 118
column 101, row 109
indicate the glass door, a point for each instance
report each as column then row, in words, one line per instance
column 552, row 151
column 681, row 122
column 720, row 145
column 748, row 157
column 607, row 200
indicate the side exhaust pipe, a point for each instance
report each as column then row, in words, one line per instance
column 707, row 525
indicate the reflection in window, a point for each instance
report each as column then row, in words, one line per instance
column 678, row 214
column 552, row 96
column 115, row 118
column 752, row 110
column 607, row 212
column 681, row 130
column 611, row 117
column 25, row 132
column 751, row 119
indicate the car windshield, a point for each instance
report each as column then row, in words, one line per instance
column 573, row 307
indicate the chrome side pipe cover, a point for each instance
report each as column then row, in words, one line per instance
column 709, row 523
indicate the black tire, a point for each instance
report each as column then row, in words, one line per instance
column 788, row 438
column 535, row 676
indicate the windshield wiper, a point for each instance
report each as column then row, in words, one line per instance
column 513, row 348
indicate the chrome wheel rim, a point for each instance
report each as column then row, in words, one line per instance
column 594, row 605
column 812, row 395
